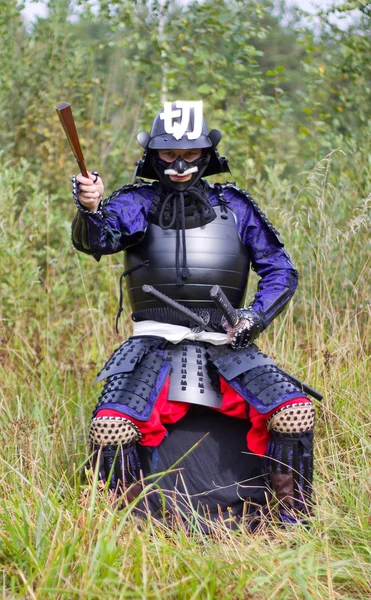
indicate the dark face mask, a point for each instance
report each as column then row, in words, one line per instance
column 180, row 166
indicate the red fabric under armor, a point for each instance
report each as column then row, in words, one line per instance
column 233, row 405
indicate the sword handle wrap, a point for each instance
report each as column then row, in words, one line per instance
column 229, row 312
column 149, row 289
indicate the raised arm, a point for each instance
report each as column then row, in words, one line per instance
column 108, row 226
column 90, row 191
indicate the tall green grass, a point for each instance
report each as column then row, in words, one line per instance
column 60, row 538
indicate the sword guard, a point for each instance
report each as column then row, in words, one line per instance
column 205, row 316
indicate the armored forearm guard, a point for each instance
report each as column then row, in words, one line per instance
column 276, row 307
column 80, row 226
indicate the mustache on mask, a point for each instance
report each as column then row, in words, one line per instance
column 187, row 172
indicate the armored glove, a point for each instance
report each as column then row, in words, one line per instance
column 247, row 329
column 113, row 444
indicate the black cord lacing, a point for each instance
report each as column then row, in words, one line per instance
column 175, row 200
column 222, row 199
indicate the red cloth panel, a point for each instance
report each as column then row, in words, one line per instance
column 233, row 405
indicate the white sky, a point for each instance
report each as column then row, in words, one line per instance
column 33, row 10
column 310, row 5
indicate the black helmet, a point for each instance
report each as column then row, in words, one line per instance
column 180, row 126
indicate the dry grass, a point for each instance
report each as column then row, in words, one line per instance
column 59, row 539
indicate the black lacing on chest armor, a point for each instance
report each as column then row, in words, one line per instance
column 222, row 200
column 173, row 212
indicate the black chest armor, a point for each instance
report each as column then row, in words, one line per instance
column 215, row 256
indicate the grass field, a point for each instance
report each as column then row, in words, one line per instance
column 61, row 539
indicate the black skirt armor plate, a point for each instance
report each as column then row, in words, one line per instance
column 134, row 384
column 191, row 378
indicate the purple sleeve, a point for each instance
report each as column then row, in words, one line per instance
column 120, row 222
column 278, row 276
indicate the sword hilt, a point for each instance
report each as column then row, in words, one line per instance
column 231, row 315
column 186, row 312
column 222, row 302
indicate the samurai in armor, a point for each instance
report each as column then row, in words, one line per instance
column 183, row 236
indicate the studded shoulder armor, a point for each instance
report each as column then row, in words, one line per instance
column 224, row 186
column 128, row 187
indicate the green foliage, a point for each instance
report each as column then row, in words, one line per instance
column 294, row 108
column 59, row 538
column 280, row 92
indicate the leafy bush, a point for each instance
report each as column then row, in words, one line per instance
column 297, row 136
